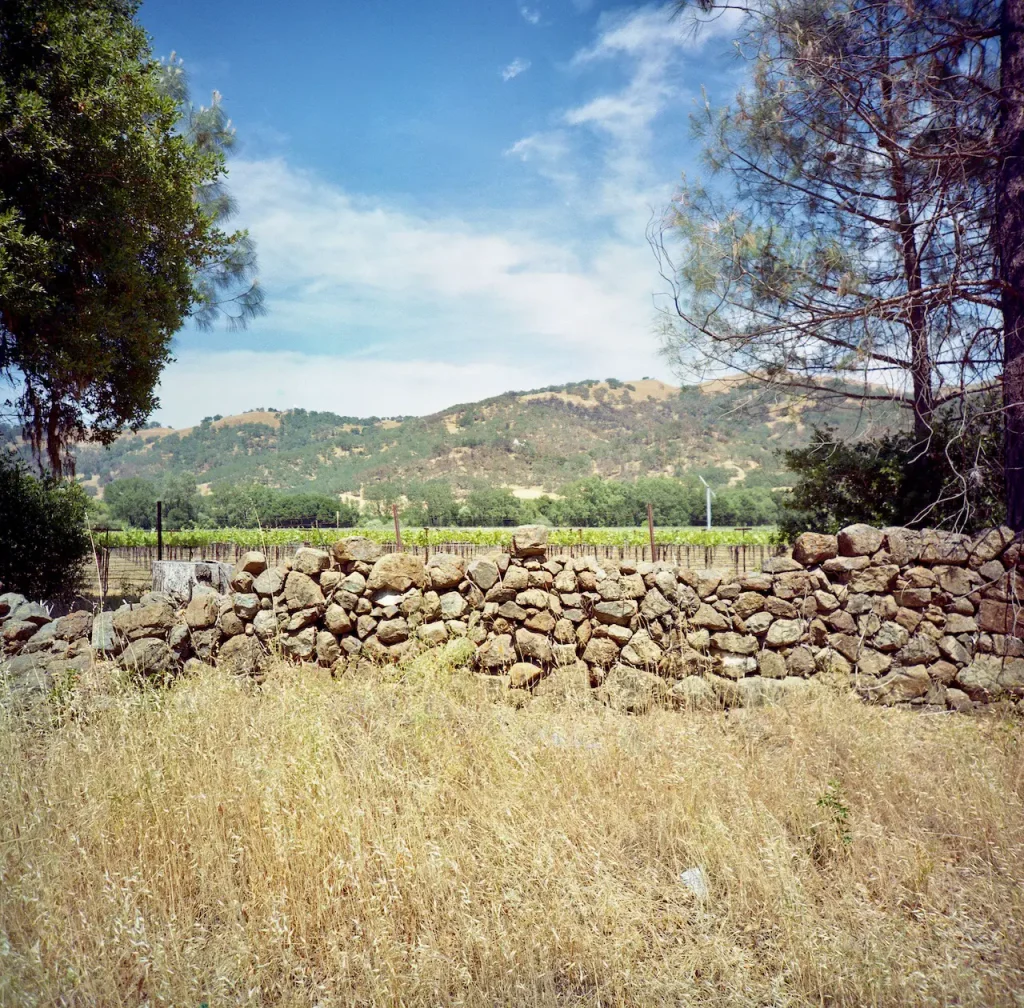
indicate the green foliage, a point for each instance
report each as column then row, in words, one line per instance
column 431, row 503
column 955, row 479
column 253, row 538
column 435, row 514
column 831, row 836
column 181, row 501
column 253, row 505
column 43, row 541
column 491, row 506
column 132, row 501
column 381, row 496
column 106, row 239
column 602, row 502
column 590, row 502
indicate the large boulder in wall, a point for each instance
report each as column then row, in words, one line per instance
column 812, row 548
column 150, row 657
column 354, row 549
column 153, row 620
column 202, row 612
column 311, row 561
column 529, row 540
column 75, row 625
column 252, row 562
column 859, row 540
column 302, row 592
column 398, row 572
column 446, row 571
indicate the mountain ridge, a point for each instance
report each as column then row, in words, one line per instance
column 534, row 441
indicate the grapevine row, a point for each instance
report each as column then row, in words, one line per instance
column 254, row 538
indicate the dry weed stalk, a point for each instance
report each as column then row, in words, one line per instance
column 406, row 841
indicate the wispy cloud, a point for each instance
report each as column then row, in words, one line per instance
column 530, row 15
column 284, row 379
column 548, row 152
column 515, row 68
column 379, row 310
column 647, row 48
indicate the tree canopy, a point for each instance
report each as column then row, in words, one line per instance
column 849, row 233
column 108, row 220
column 842, row 243
column 43, row 541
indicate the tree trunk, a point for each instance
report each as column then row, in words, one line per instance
column 1010, row 245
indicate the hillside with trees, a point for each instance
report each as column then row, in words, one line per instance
column 587, row 453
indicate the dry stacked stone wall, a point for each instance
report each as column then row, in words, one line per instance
column 927, row 618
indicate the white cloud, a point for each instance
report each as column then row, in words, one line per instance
column 380, row 309
column 549, row 153
column 515, row 68
column 529, row 15
column 652, row 41
column 232, row 381
column 651, row 31
column 411, row 308
column 550, row 145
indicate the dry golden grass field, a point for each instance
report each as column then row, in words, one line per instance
column 408, row 841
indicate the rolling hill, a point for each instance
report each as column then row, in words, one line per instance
column 532, row 441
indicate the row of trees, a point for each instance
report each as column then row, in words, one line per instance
column 591, row 502
column 837, row 482
column 863, row 216
column 132, row 502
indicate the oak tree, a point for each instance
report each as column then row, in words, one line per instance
column 106, row 239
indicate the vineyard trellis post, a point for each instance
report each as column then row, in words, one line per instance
column 398, row 530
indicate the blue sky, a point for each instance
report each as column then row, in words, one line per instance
column 449, row 197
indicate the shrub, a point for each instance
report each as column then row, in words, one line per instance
column 43, row 541
column 954, row 480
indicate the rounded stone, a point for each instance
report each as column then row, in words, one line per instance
column 398, row 572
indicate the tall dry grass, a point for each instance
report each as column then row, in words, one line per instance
column 410, row 843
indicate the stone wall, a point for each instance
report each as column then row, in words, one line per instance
column 927, row 618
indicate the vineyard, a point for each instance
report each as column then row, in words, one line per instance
column 124, row 560
column 257, row 538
